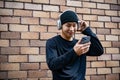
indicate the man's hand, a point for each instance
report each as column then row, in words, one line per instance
column 81, row 48
column 82, row 26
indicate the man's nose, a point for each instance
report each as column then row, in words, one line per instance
column 71, row 28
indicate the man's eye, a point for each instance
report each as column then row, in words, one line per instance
column 68, row 25
column 74, row 25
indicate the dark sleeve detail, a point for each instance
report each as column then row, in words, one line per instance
column 96, row 48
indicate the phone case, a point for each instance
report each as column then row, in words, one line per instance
column 85, row 39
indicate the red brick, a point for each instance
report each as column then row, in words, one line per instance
column 3, row 27
column 45, row 78
column 101, row 37
column 24, row 0
column 37, row 43
column 40, row 14
column 103, row 6
column 1, row 3
column 90, row 17
column 41, row 1
column 50, row 8
column 54, row 15
column 110, row 25
column 119, row 12
column 3, row 58
column 112, row 63
column 22, row 13
column 29, row 66
column 33, row 6
column 4, row 43
column 38, row 28
column 34, row 74
column 19, row 43
column 89, row 4
column 106, row 44
column 49, row 73
column 97, row 11
column 3, row 75
column 10, row 50
column 111, row 38
column 6, row 12
column 97, row 0
column 42, row 50
column 116, row 57
column 88, row 64
column 111, row 1
column 119, row 25
column 83, row 10
column 10, row 35
column 115, row 19
column 47, row 35
column 18, row 28
column 90, row 71
column 14, row 5
column 32, row 79
column 98, row 64
column 17, row 74
column 116, row 44
column 87, row 77
column 98, row 77
column 58, row 2
column 29, row 35
column 29, row 50
column 116, row 70
column 115, row 7
column 44, row 66
column 115, row 31
column 29, row 20
column 53, row 29
column 18, row 58
column 74, row 3
column 112, row 50
column 47, row 21
column 103, row 31
column 112, row 77
column 105, row 57
column 104, row 70
column 111, row 13
column 10, row 66
column 37, row 58
column 103, row 18
column 91, row 58
column 63, row 8
column 10, row 20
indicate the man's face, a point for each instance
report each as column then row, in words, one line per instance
column 69, row 29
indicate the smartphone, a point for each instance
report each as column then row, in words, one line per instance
column 85, row 40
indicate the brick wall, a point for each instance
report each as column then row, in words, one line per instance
column 25, row 25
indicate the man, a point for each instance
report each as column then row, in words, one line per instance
column 65, row 55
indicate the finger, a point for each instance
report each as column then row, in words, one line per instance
column 86, row 44
column 85, row 50
column 79, row 41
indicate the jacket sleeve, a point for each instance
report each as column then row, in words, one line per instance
column 96, row 48
column 54, row 61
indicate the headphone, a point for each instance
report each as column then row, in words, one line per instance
column 59, row 24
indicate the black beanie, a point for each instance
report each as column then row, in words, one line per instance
column 68, row 16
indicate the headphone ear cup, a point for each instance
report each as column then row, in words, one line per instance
column 59, row 24
column 78, row 25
